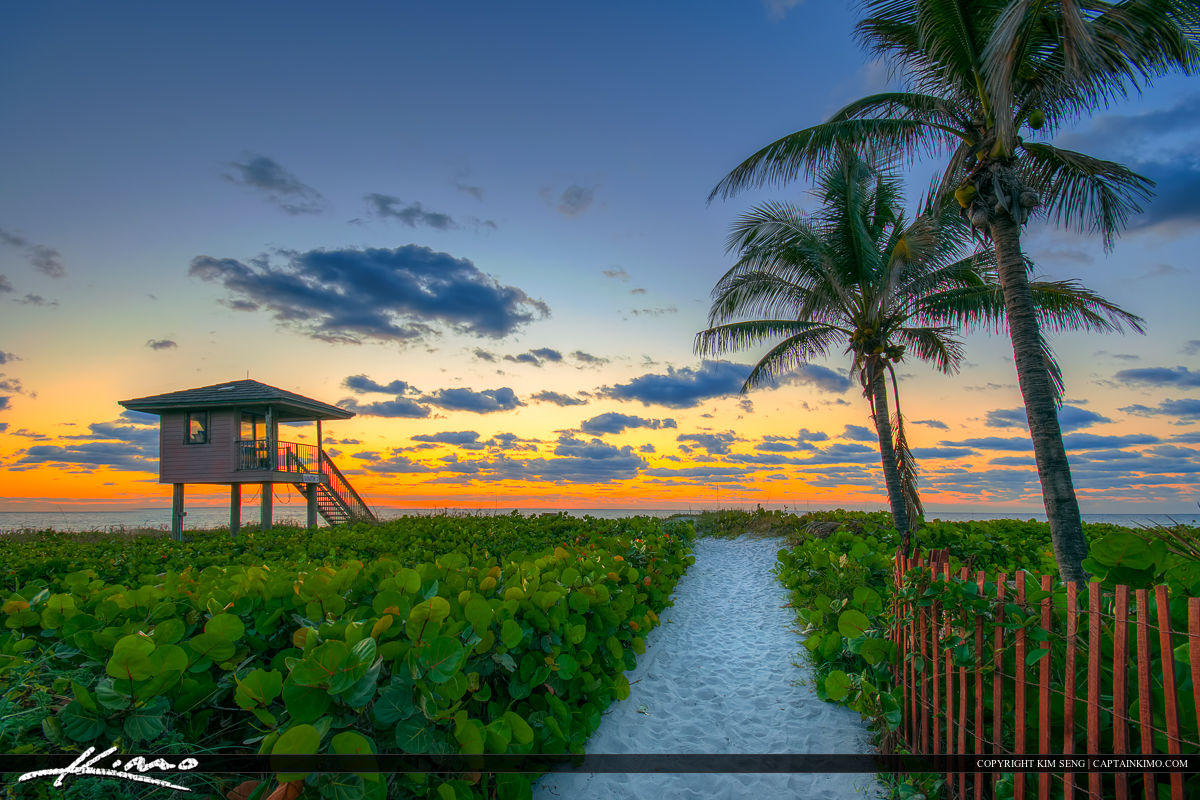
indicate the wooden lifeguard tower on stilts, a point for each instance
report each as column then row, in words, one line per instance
column 228, row 433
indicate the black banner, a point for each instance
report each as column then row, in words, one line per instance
column 174, row 764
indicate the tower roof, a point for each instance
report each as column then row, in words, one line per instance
column 289, row 406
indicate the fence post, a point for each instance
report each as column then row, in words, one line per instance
column 949, row 661
column 1069, row 685
column 1194, row 651
column 1019, row 697
column 1093, row 721
column 1149, row 790
column 998, row 671
column 976, row 778
column 1121, row 686
column 1171, row 699
column 1044, row 692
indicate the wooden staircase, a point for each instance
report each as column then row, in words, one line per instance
column 337, row 502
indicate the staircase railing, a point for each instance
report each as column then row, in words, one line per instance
column 340, row 488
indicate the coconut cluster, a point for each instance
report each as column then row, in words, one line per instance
column 865, row 340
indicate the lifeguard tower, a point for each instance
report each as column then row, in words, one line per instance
column 228, row 433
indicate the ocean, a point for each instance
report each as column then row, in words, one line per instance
column 206, row 517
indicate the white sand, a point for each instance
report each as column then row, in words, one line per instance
column 719, row 676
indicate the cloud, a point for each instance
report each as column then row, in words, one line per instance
column 778, row 9
column 401, row 407
column 536, row 357
column 6, row 358
column 993, row 443
column 1090, row 441
column 838, row 453
column 576, row 461
column 1188, row 408
column 712, row 443
column 616, row 423
column 654, row 312
column 412, row 215
column 396, row 295
column 4, row 399
column 468, row 440
column 276, row 184
column 857, row 433
column 161, row 344
column 820, row 377
column 36, row 300
column 107, row 444
column 1191, row 347
column 395, row 464
column 790, row 444
column 943, row 452
column 683, row 388
column 1070, row 418
column 1160, row 376
column 589, row 359
column 933, row 423
column 573, row 201
column 1168, row 134
column 361, row 384
column 617, row 274
column 44, row 259
column 557, row 399
column 484, row 402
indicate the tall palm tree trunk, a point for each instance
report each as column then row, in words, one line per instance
column 1058, row 492
column 887, row 452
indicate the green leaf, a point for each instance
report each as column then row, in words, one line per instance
column 478, row 612
column 146, row 723
column 353, row 743
column 511, row 633
column 305, row 703
column 1122, row 550
column 258, row 688
column 1036, row 655
column 837, row 685
column 394, row 703
column 442, row 658
column 79, row 723
column 211, row 646
column 296, row 740
column 415, row 735
column 852, row 623
column 520, row 728
column 225, row 626
column 469, row 733
column 169, row 657
column 130, row 664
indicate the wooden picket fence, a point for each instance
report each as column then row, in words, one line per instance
column 1088, row 707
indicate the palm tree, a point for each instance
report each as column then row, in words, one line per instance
column 977, row 73
column 857, row 275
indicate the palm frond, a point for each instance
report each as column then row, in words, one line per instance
column 1057, row 385
column 933, row 343
column 810, row 150
column 1089, row 194
column 788, row 356
column 807, row 339
column 1068, row 306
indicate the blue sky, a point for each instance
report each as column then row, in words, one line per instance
column 485, row 228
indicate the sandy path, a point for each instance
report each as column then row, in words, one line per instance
column 718, row 677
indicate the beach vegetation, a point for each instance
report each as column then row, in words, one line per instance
column 424, row 635
column 975, row 77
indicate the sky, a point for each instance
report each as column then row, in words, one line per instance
column 484, row 228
